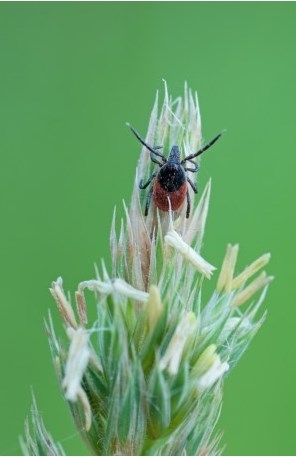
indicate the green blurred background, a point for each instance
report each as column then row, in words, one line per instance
column 71, row 75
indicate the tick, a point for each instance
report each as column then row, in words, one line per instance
column 170, row 182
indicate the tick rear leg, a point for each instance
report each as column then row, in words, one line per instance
column 194, row 188
column 148, row 200
column 143, row 186
column 188, row 204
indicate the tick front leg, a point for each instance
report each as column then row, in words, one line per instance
column 148, row 200
column 194, row 188
column 188, row 204
column 143, row 186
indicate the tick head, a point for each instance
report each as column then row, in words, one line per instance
column 174, row 156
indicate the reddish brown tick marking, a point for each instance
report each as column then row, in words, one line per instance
column 170, row 181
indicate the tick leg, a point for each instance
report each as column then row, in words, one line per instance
column 154, row 160
column 152, row 150
column 143, row 186
column 194, row 188
column 188, row 204
column 193, row 170
column 203, row 149
column 148, row 200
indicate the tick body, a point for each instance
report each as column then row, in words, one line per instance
column 169, row 184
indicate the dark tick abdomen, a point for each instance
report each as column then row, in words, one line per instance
column 171, row 176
